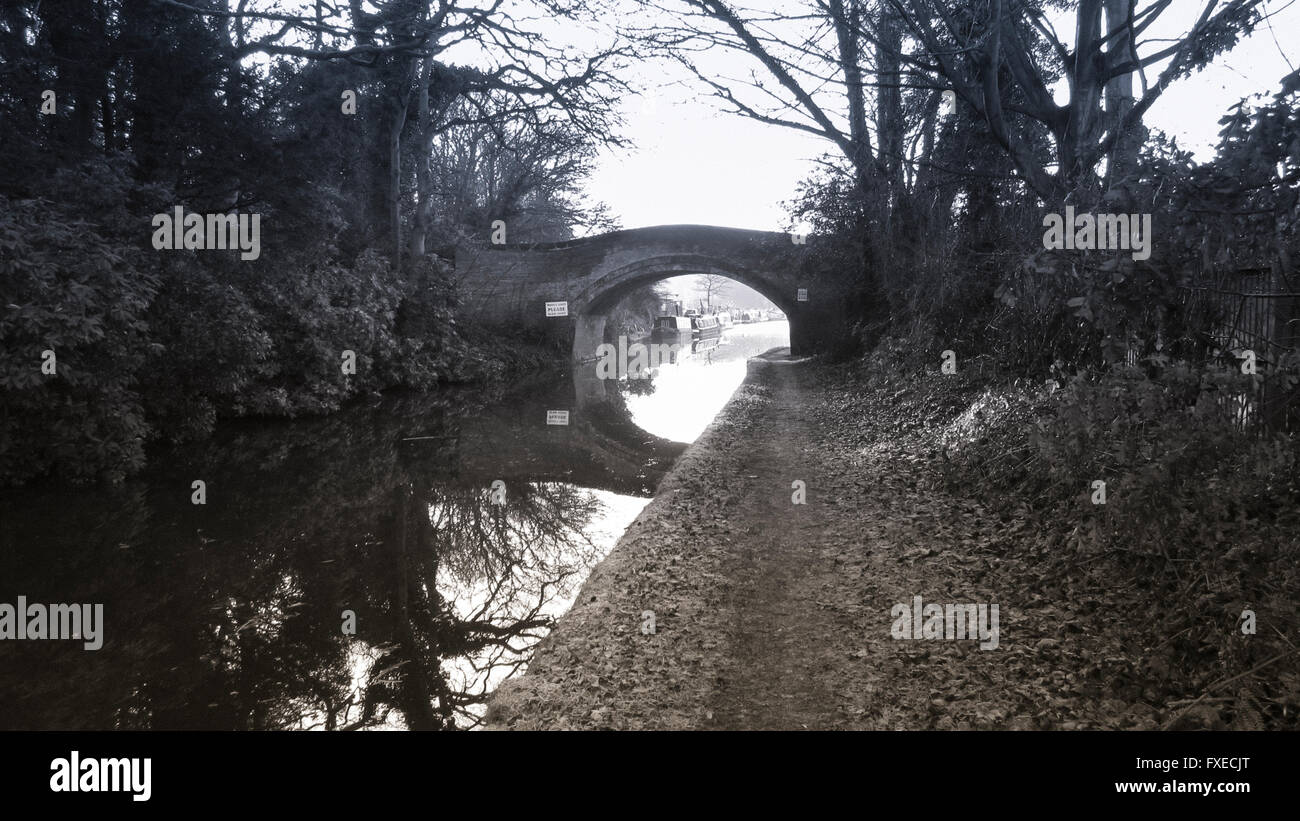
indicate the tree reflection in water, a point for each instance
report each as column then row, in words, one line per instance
column 230, row 615
column 472, row 588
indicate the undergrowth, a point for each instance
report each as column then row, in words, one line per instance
column 1196, row 528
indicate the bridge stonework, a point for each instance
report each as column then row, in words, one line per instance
column 511, row 284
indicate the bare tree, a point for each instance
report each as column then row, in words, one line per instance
column 486, row 167
column 810, row 66
column 1001, row 57
column 709, row 285
column 818, row 66
column 403, row 43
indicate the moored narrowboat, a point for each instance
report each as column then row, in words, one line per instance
column 705, row 326
column 671, row 330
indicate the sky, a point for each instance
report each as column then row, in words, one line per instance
column 694, row 164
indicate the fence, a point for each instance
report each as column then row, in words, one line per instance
column 1256, row 310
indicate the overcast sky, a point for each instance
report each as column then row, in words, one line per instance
column 693, row 164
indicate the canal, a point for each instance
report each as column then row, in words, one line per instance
column 386, row 566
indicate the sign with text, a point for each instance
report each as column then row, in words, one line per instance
column 557, row 417
column 802, row 295
column 557, row 309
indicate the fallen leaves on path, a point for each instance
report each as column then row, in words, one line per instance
column 776, row 615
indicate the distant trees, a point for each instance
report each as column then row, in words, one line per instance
column 528, row 174
column 635, row 313
column 711, row 285
column 175, row 85
column 412, row 94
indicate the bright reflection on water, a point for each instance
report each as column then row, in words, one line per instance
column 230, row 615
column 470, row 596
column 688, row 394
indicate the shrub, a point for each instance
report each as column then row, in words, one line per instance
column 70, row 290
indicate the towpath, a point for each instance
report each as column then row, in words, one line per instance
column 774, row 615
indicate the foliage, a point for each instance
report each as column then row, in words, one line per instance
column 1201, row 510
column 156, row 107
column 70, row 290
column 1198, row 524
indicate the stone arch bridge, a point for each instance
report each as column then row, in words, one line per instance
column 511, row 284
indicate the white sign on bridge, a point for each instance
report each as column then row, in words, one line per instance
column 557, row 309
column 557, row 417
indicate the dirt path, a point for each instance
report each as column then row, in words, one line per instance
column 775, row 615
column 775, row 676
column 813, row 587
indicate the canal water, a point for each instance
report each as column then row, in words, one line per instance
column 383, row 567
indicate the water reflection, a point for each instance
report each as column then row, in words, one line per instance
column 231, row 614
column 680, row 399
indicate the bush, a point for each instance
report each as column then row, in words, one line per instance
column 70, row 290
column 159, row 346
column 1200, row 513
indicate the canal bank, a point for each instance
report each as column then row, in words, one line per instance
column 727, row 605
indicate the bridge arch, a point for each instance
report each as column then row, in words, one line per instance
column 510, row 285
column 591, row 306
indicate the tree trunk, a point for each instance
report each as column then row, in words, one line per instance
column 396, row 123
column 846, row 34
column 1122, row 161
column 1080, row 129
column 889, row 105
column 423, row 178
